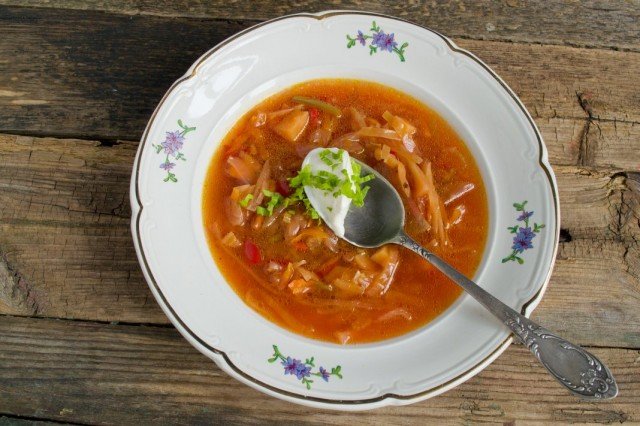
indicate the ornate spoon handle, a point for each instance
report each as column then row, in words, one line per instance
column 578, row 370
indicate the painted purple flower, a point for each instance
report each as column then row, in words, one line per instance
column 291, row 366
column 379, row 39
column 302, row 371
column 522, row 240
column 173, row 143
column 360, row 38
column 384, row 41
column 167, row 165
column 524, row 216
column 324, row 374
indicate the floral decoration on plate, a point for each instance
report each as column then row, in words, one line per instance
column 377, row 39
column 303, row 370
column 523, row 239
column 172, row 148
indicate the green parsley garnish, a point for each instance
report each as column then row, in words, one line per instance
column 331, row 159
column 274, row 200
column 349, row 186
column 245, row 201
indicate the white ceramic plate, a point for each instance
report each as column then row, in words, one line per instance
column 199, row 109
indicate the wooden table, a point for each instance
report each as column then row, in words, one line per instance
column 82, row 339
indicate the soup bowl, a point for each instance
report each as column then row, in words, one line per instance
column 202, row 106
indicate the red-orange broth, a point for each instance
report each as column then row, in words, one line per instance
column 292, row 269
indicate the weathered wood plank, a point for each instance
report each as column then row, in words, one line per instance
column 612, row 145
column 594, row 294
column 76, row 73
column 583, row 23
column 66, row 249
column 64, row 226
column 599, row 204
column 565, row 82
column 99, row 76
column 95, row 373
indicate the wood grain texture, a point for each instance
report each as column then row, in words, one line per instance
column 93, row 75
column 594, row 294
column 115, row 374
column 613, row 24
column 66, row 249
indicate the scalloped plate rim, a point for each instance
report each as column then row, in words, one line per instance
column 221, row 358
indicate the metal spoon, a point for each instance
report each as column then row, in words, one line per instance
column 381, row 221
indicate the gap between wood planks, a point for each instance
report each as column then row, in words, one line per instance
column 9, row 419
column 116, row 323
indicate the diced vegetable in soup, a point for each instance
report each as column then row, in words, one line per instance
column 286, row 264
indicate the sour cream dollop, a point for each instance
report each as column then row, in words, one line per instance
column 332, row 209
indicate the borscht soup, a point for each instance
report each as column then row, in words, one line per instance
column 287, row 265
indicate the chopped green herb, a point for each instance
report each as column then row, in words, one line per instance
column 349, row 186
column 274, row 200
column 245, row 201
column 331, row 159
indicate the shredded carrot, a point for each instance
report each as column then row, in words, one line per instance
column 398, row 149
column 347, row 287
column 401, row 126
column 371, row 122
column 336, row 272
column 328, row 266
column 314, row 232
column 357, row 119
column 364, row 262
column 436, row 207
column 306, row 274
column 299, row 286
column 402, row 176
column 420, row 182
column 396, row 314
column 286, row 276
column 379, row 132
column 384, row 255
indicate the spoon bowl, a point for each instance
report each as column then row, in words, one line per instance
column 383, row 218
